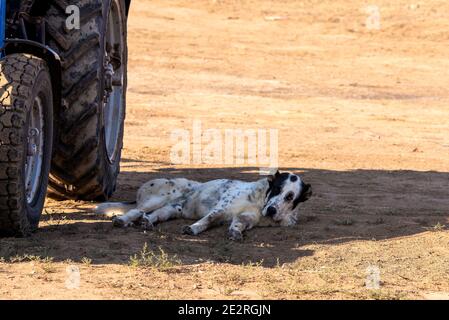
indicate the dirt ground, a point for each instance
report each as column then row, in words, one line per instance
column 362, row 114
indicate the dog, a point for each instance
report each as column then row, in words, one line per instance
column 213, row 203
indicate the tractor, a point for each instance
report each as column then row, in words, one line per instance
column 63, row 79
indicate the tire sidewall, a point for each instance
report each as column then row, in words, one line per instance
column 112, row 166
column 43, row 88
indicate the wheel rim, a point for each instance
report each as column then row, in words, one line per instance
column 35, row 150
column 114, row 77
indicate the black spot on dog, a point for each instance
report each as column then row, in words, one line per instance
column 226, row 186
column 212, row 200
column 276, row 183
column 152, row 185
column 293, row 178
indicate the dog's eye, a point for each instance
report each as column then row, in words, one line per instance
column 289, row 197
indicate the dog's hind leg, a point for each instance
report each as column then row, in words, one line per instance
column 134, row 215
column 214, row 218
column 127, row 219
column 111, row 209
column 166, row 213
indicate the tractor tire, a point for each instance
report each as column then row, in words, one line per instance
column 26, row 134
column 87, row 151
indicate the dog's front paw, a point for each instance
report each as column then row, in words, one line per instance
column 118, row 222
column 235, row 235
column 146, row 225
column 288, row 222
column 188, row 230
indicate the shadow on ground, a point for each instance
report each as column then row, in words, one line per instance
column 346, row 206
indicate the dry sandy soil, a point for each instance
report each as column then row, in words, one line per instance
column 362, row 114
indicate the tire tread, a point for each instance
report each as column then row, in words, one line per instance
column 77, row 169
column 15, row 88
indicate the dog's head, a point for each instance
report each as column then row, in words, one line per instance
column 286, row 191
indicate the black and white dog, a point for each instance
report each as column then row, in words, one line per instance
column 212, row 203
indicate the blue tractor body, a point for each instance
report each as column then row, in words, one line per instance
column 2, row 22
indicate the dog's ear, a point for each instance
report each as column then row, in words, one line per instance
column 306, row 193
column 273, row 177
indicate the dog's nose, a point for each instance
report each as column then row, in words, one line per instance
column 271, row 211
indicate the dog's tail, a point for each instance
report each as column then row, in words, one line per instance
column 111, row 209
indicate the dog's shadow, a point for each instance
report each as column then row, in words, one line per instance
column 346, row 206
column 82, row 235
